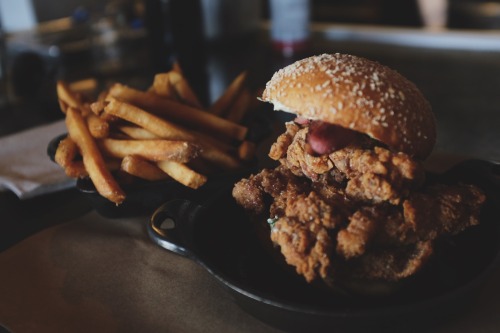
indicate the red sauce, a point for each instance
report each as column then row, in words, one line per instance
column 325, row 138
column 301, row 120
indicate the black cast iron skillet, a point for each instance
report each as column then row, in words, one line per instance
column 217, row 234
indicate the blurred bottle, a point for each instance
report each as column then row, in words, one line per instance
column 290, row 29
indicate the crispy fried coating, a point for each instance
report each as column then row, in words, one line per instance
column 304, row 246
column 361, row 211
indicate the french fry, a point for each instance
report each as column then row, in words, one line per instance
column 240, row 107
column 176, row 67
column 98, row 127
column 163, row 87
column 65, row 156
column 183, row 89
column 143, row 169
column 67, row 97
column 76, row 169
column 153, row 150
column 62, row 105
column 196, row 118
column 66, row 152
column 246, row 150
column 83, row 86
column 103, row 95
column 98, row 107
column 137, row 133
column 93, row 161
column 156, row 134
column 154, row 124
column 222, row 104
column 182, row 174
column 152, row 127
column 169, row 131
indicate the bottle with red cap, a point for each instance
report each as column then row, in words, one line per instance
column 290, row 26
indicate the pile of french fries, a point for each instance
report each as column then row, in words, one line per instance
column 157, row 134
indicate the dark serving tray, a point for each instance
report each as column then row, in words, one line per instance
column 218, row 235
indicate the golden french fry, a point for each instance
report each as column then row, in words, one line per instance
column 83, row 86
column 162, row 86
column 98, row 107
column 182, row 174
column 246, row 150
column 94, row 163
column 153, row 150
column 240, row 107
column 103, row 95
column 137, row 133
column 76, row 169
column 66, row 153
column 66, row 157
column 156, row 134
column 222, row 104
column 193, row 117
column 167, row 130
column 62, row 105
column 141, row 168
column 156, row 125
column 68, row 97
column 183, row 89
column 176, row 67
column 98, row 127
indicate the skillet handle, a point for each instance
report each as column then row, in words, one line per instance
column 168, row 226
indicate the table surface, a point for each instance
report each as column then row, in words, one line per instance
column 94, row 274
column 50, row 245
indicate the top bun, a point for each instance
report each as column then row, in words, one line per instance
column 359, row 94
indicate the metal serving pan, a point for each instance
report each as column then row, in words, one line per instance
column 218, row 235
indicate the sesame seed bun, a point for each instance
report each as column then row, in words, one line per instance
column 359, row 94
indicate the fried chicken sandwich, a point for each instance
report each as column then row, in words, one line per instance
column 349, row 205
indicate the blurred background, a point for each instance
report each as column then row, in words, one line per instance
column 93, row 43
